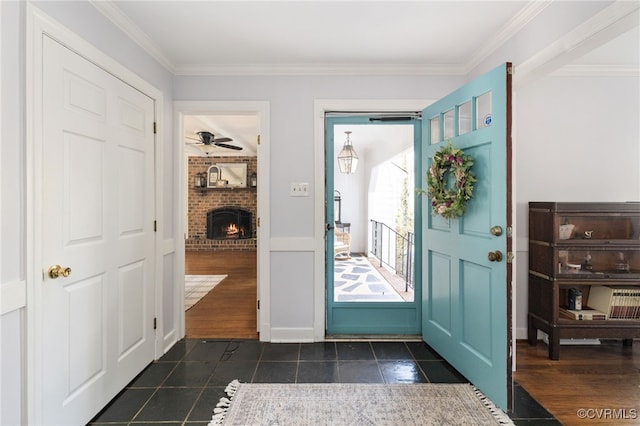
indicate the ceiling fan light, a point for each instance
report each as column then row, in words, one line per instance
column 206, row 149
column 347, row 159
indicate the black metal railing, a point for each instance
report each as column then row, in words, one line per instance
column 393, row 250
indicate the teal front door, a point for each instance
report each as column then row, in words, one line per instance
column 466, row 260
column 373, row 277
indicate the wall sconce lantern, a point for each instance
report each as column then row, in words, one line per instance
column 347, row 159
column 253, row 180
column 200, row 181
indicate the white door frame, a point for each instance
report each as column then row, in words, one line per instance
column 261, row 109
column 320, row 107
column 39, row 24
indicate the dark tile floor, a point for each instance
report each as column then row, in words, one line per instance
column 183, row 387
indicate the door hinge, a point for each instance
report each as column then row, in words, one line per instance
column 509, row 231
column 155, row 226
column 510, row 70
column 155, row 128
column 258, row 139
column 258, row 304
column 510, row 257
column 258, row 222
column 155, row 323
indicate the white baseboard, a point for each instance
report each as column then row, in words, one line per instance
column 168, row 341
column 292, row 335
column 521, row 333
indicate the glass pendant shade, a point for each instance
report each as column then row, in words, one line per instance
column 206, row 149
column 347, row 159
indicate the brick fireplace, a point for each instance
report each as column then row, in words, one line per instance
column 202, row 202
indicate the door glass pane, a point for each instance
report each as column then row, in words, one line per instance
column 483, row 110
column 448, row 125
column 374, row 241
column 435, row 130
column 464, row 118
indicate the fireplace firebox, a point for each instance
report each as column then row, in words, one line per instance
column 229, row 223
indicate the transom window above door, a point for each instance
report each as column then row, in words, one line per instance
column 466, row 117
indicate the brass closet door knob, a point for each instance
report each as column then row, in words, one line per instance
column 59, row 271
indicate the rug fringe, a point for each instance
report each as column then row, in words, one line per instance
column 222, row 407
column 497, row 413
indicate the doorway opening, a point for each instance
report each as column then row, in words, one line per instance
column 371, row 253
column 221, row 225
column 374, row 216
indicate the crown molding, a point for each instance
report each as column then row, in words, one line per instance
column 318, row 69
column 597, row 71
column 122, row 21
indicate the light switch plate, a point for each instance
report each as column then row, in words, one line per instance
column 299, row 189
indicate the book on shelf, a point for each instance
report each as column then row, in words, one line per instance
column 618, row 302
column 586, row 314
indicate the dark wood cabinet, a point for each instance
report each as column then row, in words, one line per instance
column 574, row 247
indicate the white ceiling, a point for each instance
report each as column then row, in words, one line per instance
column 218, row 36
column 298, row 36
column 322, row 37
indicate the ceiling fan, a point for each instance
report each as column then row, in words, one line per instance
column 209, row 139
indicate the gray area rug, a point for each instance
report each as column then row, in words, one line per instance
column 356, row 404
column 197, row 286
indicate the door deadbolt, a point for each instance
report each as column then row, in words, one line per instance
column 495, row 256
column 58, row 271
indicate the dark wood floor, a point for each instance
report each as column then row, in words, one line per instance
column 592, row 378
column 229, row 310
column 604, row 379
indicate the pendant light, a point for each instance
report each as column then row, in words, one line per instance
column 347, row 159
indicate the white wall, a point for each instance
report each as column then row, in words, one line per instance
column 12, row 274
column 577, row 139
column 353, row 190
column 292, row 160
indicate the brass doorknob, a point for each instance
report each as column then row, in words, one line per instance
column 58, row 271
column 495, row 256
column 496, row 230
